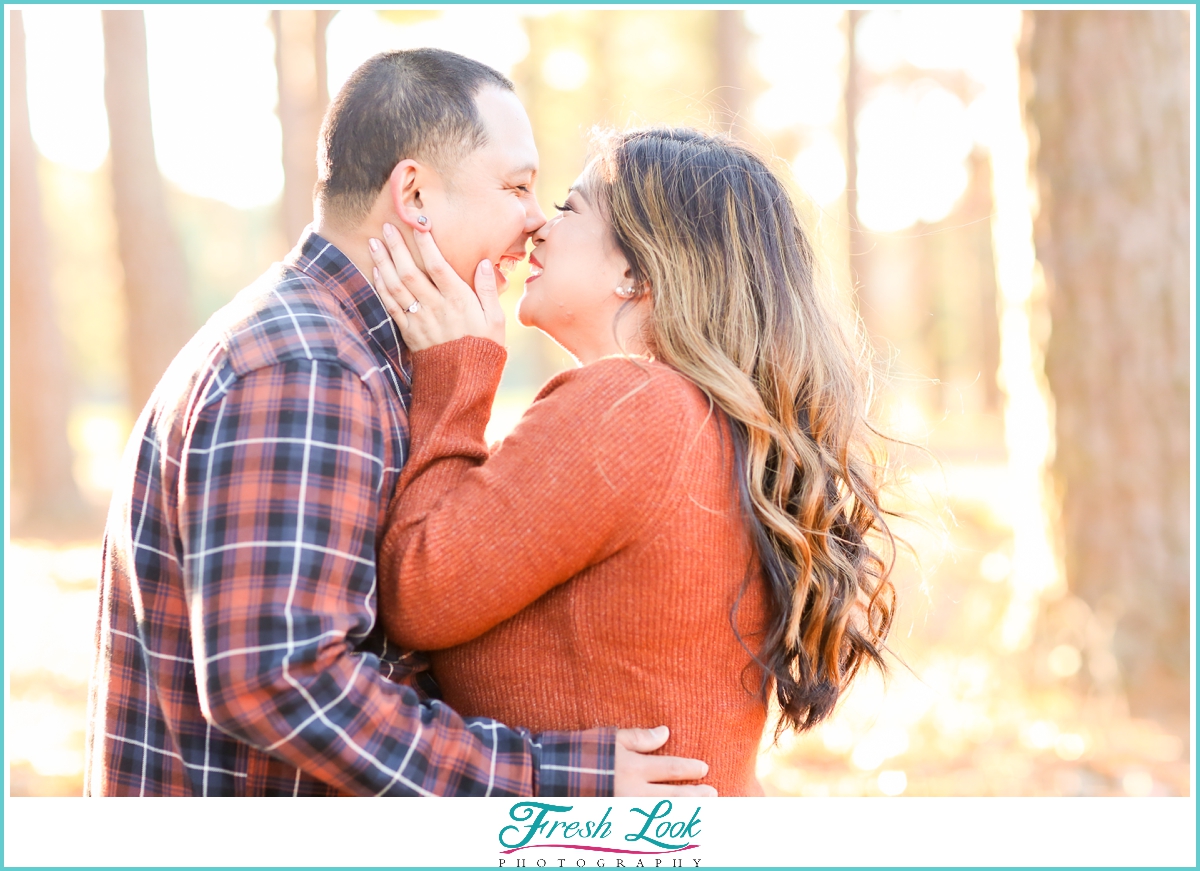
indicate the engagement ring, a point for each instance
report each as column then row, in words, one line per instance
column 412, row 309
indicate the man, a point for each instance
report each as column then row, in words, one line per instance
column 238, row 650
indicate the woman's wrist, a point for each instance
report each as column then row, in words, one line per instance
column 453, row 355
column 461, row 376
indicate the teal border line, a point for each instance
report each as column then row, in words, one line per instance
column 4, row 412
column 3, row 401
column 566, row 4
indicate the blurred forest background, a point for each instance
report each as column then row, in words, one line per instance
column 1005, row 196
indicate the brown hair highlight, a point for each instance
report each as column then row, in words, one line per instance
column 738, row 308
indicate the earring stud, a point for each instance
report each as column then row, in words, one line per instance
column 624, row 292
column 422, row 220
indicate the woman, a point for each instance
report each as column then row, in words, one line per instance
column 676, row 531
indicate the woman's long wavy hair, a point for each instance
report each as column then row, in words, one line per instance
column 737, row 307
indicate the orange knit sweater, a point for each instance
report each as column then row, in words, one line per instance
column 584, row 573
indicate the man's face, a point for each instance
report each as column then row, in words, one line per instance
column 487, row 209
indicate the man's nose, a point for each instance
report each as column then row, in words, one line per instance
column 535, row 218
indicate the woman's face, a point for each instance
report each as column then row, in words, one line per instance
column 575, row 269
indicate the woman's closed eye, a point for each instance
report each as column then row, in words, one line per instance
column 565, row 207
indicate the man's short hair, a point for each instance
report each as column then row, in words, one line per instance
column 417, row 104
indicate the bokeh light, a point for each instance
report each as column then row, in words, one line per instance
column 819, row 169
column 912, row 144
column 892, row 782
column 565, row 70
column 66, row 100
column 212, row 96
column 491, row 34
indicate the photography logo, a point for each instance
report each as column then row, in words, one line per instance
column 640, row 838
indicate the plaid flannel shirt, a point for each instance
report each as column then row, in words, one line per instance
column 238, row 650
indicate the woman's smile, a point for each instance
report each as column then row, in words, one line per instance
column 535, row 269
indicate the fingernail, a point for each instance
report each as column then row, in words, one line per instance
column 374, row 243
column 660, row 731
column 389, row 230
column 485, row 265
column 375, row 270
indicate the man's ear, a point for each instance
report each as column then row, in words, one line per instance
column 404, row 186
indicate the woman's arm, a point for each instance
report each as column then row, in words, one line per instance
column 473, row 539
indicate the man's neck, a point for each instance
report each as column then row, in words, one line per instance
column 352, row 243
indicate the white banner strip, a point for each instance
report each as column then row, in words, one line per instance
column 603, row 833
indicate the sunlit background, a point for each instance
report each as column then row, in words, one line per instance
column 1004, row 681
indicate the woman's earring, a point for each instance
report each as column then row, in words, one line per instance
column 625, row 292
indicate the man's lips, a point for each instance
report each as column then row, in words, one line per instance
column 508, row 263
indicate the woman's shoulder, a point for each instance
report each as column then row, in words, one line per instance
column 635, row 385
column 627, row 417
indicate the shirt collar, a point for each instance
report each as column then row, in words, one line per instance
column 320, row 259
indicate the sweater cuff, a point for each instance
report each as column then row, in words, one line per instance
column 459, row 375
column 472, row 353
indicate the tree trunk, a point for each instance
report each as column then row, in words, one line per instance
column 850, row 98
column 303, row 96
column 44, row 490
column 731, row 92
column 1111, row 105
column 156, row 290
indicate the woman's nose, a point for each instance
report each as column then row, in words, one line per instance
column 539, row 235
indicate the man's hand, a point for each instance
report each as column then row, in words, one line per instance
column 638, row 774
